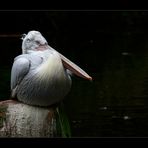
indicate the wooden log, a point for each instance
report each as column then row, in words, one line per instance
column 21, row 120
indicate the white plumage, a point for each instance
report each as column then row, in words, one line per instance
column 39, row 76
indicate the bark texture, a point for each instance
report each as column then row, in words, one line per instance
column 21, row 120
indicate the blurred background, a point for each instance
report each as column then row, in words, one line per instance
column 111, row 46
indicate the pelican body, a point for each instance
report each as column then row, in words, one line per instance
column 41, row 76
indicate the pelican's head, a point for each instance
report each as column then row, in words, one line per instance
column 32, row 41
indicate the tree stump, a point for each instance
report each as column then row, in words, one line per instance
column 21, row 120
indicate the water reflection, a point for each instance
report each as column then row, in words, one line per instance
column 103, row 108
column 126, row 117
column 115, row 122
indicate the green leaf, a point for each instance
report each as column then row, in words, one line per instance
column 63, row 126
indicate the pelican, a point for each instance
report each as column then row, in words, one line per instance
column 41, row 76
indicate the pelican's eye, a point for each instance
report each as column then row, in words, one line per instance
column 38, row 42
column 28, row 40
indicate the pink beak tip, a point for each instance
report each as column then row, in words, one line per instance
column 90, row 78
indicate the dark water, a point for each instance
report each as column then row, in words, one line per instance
column 118, row 121
column 115, row 104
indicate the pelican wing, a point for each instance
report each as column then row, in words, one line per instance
column 20, row 68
